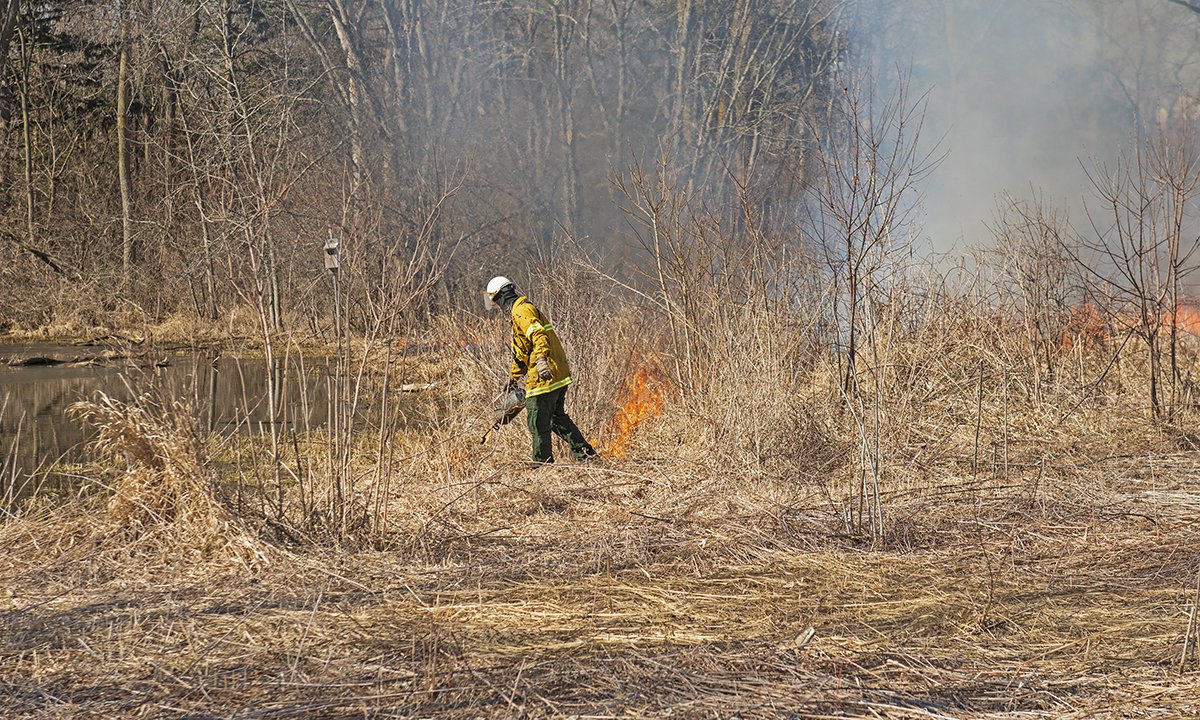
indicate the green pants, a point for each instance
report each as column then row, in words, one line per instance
column 546, row 414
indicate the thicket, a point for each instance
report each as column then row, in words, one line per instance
column 188, row 158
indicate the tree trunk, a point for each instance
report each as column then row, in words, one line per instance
column 123, row 164
column 6, row 33
column 210, row 282
column 27, row 138
column 683, row 13
column 342, row 16
column 563, row 74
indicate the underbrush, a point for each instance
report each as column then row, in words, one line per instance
column 948, row 396
column 647, row 588
column 952, row 530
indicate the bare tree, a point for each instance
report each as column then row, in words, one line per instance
column 1036, row 248
column 861, row 212
column 1143, row 247
column 123, row 145
column 862, row 203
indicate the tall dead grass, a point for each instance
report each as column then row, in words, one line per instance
column 1036, row 556
column 165, row 500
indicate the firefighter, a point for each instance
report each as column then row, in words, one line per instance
column 538, row 358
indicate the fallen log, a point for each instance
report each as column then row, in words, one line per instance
column 37, row 361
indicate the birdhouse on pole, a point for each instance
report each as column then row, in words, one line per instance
column 331, row 252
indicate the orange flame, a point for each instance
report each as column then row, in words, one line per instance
column 1188, row 319
column 644, row 398
column 1087, row 327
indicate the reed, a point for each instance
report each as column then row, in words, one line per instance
column 1032, row 551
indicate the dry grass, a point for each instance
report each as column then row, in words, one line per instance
column 1046, row 570
column 633, row 590
column 165, row 500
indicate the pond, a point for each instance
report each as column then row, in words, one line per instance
column 224, row 393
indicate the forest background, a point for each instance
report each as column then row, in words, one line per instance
column 182, row 158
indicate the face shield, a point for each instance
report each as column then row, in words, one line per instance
column 493, row 290
column 490, row 299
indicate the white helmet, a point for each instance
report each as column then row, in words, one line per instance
column 495, row 285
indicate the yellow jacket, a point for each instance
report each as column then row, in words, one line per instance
column 533, row 337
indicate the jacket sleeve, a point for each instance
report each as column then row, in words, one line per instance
column 517, row 368
column 520, row 347
column 535, row 332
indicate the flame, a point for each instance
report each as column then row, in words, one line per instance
column 644, row 398
column 1085, row 327
column 1188, row 318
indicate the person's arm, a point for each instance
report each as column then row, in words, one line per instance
column 520, row 348
column 518, row 367
column 535, row 333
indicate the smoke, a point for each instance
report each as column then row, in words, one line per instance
column 547, row 104
column 1025, row 96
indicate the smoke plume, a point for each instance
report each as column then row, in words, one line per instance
column 1025, row 96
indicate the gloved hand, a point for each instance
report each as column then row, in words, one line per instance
column 543, row 368
column 512, row 385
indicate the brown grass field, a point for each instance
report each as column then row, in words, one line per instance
column 1038, row 558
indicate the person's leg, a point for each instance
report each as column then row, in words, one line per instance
column 565, row 428
column 540, row 409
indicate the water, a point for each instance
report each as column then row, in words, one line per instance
column 225, row 393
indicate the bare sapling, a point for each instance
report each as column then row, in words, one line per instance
column 1036, row 250
column 1142, row 248
column 861, row 211
column 388, row 265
